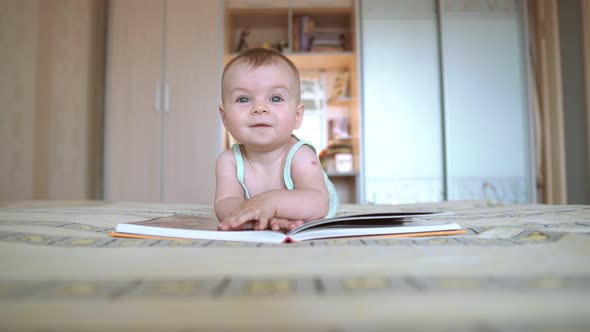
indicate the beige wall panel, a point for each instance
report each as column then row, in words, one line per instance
column 551, row 140
column 192, row 127
column 552, row 99
column 51, row 99
column 586, row 35
column 44, row 59
column 96, row 101
column 18, row 47
column 72, row 52
column 132, row 146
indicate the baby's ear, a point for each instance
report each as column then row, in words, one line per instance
column 222, row 113
column 299, row 115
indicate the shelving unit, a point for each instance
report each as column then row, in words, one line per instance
column 277, row 25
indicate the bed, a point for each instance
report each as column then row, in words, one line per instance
column 518, row 268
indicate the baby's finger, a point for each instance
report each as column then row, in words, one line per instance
column 262, row 223
column 294, row 224
column 237, row 220
column 275, row 224
column 227, row 226
column 247, row 226
column 223, row 226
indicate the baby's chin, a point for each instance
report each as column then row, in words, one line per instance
column 264, row 144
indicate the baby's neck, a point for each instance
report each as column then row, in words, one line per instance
column 266, row 157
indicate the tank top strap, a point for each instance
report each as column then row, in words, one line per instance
column 240, row 168
column 287, row 170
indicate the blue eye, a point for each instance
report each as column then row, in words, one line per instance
column 243, row 100
column 276, row 99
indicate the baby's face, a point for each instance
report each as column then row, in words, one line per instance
column 261, row 106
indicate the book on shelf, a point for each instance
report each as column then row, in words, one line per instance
column 303, row 27
column 373, row 225
column 296, row 35
column 334, row 41
column 309, row 37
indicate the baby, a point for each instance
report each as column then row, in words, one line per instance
column 271, row 179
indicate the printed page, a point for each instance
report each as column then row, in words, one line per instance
column 336, row 230
column 365, row 219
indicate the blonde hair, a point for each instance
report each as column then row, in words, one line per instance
column 260, row 57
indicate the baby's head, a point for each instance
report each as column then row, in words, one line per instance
column 254, row 59
column 261, row 98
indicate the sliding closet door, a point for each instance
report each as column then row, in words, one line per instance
column 403, row 159
column 486, row 111
column 445, row 101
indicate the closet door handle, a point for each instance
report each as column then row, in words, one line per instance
column 166, row 98
column 158, row 92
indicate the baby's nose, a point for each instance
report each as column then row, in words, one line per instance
column 259, row 108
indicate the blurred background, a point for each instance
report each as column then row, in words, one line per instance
column 407, row 101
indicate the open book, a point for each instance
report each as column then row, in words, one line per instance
column 394, row 224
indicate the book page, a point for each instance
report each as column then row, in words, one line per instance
column 332, row 231
column 390, row 218
column 179, row 221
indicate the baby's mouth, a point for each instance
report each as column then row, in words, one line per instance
column 261, row 125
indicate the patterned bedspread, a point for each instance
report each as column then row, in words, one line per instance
column 518, row 268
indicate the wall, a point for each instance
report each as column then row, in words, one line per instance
column 52, row 94
column 574, row 101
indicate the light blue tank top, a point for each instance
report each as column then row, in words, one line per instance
column 334, row 201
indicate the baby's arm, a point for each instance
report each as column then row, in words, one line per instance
column 229, row 195
column 310, row 199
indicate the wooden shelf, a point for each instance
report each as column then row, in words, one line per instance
column 342, row 175
column 343, row 101
column 316, row 61
column 306, row 5
column 322, row 61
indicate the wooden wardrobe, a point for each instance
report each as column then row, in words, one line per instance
column 163, row 131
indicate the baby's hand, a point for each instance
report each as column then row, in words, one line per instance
column 259, row 209
column 279, row 224
column 224, row 226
